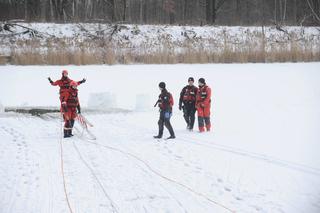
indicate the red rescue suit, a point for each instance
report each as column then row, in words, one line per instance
column 203, row 105
column 72, row 104
column 64, row 84
column 69, row 109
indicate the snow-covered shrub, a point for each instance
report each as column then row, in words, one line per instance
column 102, row 101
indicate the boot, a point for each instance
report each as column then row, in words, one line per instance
column 208, row 127
column 70, row 133
column 188, row 127
column 66, row 133
column 201, row 129
column 157, row 136
column 171, row 137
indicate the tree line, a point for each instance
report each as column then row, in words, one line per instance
column 175, row 12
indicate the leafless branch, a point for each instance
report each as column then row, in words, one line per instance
column 313, row 12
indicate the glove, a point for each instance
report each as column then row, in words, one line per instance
column 202, row 105
column 78, row 108
column 50, row 80
column 82, row 81
column 180, row 107
column 167, row 115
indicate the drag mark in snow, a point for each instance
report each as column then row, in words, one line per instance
column 162, row 176
column 62, row 171
column 114, row 209
column 173, row 197
column 267, row 159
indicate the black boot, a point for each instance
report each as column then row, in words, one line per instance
column 70, row 133
column 157, row 136
column 71, row 126
column 66, row 133
column 171, row 137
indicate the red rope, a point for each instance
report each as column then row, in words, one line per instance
column 62, row 171
column 166, row 178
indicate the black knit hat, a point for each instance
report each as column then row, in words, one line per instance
column 162, row 85
column 201, row 80
column 191, row 79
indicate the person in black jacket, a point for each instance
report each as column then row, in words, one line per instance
column 187, row 102
column 165, row 103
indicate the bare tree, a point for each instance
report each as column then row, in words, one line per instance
column 230, row 12
column 314, row 7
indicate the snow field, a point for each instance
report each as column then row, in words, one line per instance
column 261, row 157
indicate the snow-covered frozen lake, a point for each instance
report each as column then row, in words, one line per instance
column 262, row 155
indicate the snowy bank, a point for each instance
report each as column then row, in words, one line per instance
column 50, row 43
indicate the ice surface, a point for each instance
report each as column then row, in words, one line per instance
column 1, row 108
column 143, row 102
column 262, row 155
column 102, row 101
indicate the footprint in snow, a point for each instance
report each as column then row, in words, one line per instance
column 220, row 180
column 237, row 198
column 228, row 189
column 214, row 185
column 257, row 208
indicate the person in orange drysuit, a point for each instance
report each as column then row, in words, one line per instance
column 203, row 104
column 64, row 84
column 70, row 108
